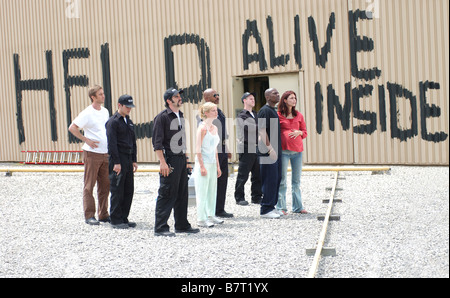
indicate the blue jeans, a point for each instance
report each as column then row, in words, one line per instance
column 295, row 158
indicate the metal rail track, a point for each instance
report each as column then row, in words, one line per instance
column 320, row 243
column 320, row 250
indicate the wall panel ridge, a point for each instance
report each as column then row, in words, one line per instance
column 372, row 75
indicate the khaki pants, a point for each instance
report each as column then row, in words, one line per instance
column 96, row 171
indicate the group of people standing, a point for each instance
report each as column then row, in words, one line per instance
column 267, row 142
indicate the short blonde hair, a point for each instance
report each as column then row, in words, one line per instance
column 93, row 91
column 205, row 108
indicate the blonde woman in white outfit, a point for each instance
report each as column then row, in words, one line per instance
column 207, row 167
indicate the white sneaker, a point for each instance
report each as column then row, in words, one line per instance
column 215, row 220
column 280, row 212
column 206, row 224
column 271, row 214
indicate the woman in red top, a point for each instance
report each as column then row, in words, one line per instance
column 293, row 131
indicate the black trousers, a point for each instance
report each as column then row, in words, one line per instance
column 122, row 189
column 271, row 179
column 173, row 194
column 248, row 162
column 222, row 183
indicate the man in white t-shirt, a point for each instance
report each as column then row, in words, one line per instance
column 92, row 120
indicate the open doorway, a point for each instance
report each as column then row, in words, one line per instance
column 257, row 86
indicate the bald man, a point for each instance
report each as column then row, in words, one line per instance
column 211, row 95
column 270, row 148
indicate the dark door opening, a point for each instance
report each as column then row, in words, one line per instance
column 257, row 85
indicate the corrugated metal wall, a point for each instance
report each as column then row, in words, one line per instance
column 373, row 90
column 410, row 50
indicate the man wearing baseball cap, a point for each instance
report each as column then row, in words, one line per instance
column 247, row 139
column 169, row 143
column 122, row 162
column 127, row 101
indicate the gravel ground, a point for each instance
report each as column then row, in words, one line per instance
column 392, row 225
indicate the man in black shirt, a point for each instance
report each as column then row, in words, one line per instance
column 122, row 152
column 270, row 149
column 169, row 143
column 247, row 138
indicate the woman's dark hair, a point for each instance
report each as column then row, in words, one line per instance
column 282, row 107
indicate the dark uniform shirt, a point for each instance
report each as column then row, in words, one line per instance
column 270, row 121
column 121, row 137
column 168, row 134
column 220, row 122
column 247, row 127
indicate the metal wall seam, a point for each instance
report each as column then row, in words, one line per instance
column 410, row 49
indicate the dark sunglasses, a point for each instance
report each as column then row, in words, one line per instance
column 216, row 95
